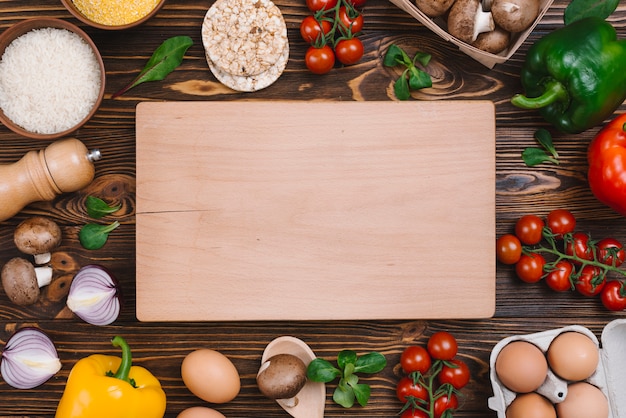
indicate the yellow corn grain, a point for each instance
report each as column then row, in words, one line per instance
column 115, row 12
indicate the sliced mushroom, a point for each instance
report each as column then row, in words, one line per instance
column 493, row 42
column 37, row 236
column 434, row 8
column 281, row 377
column 21, row 280
column 467, row 20
column 515, row 15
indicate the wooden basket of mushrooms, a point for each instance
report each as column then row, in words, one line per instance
column 490, row 31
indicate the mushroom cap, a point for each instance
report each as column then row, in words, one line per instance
column 20, row 282
column 467, row 20
column 37, row 235
column 493, row 42
column 515, row 15
column 282, row 376
column 434, row 8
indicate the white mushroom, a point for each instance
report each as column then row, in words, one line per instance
column 281, row 377
column 493, row 42
column 21, row 280
column 467, row 20
column 434, row 8
column 515, row 15
column 37, row 236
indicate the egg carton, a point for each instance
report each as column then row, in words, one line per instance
column 438, row 25
column 608, row 377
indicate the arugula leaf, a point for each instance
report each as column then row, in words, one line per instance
column 413, row 77
column 98, row 208
column 580, row 9
column 163, row 61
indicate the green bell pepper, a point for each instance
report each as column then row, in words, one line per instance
column 575, row 76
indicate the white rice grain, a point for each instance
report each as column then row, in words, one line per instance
column 49, row 80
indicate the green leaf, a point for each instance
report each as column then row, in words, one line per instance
column 536, row 156
column 422, row 57
column 544, row 138
column 393, row 56
column 370, row 363
column 362, row 393
column 98, row 208
column 344, row 395
column 401, row 88
column 346, row 357
column 94, row 236
column 419, row 79
column 580, row 9
column 320, row 370
column 163, row 61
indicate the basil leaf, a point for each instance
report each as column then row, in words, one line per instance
column 94, row 236
column 346, row 357
column 370, row 363
column 98, row 208
column 362, row 393
column 580, row 9
column 163, row 61
column 320, row 370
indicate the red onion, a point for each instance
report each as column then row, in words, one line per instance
column 29, row 359
column 94, row 295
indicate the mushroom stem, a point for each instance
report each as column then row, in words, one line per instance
column 44, row 275
column 483, row 22
column 288, row 403
column 42, row 258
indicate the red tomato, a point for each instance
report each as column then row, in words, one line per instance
column 317, row 5
column 414, row 413
column 351, row 19
column 613, row 295
column 319, row 60
column 349, row 51
column 559, row 279
column 610, row 252
column 529, row 229
column 508, row 249
column 458, row 376
column 313, row 30
column 578, row 245
column 442, row 346
column 357, row 3
column 561, row 222
column 590, row 282
column 415, row 358
column 444, row 403
column 407, row 389
column 529, row 268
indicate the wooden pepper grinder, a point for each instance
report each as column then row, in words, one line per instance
column 64, row 166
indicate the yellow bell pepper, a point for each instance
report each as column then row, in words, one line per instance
column 94, row 390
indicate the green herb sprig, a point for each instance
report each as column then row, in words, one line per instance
column 93, row 236
column 533, row 156
column 98, row 208
column 348, row 364
column 413, row 77
column 164, row 60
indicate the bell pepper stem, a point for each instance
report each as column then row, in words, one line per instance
column 127, row 359
column 554, row 92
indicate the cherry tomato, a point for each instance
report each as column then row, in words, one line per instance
column 613, row 295
column 349, row 51
column 407, row 389
column 590, row 282
column 529, row 229
column 561, row 222
column 312, row 30
column 317, row 5
column 579, row 245
column 319, row 60
column 351, row 19
column 529, row 268
column 442, row 346
column 559, row 279
column 458, row 376
column 415, row 358
column 610, row 252
column 508, row 249
column 357, row 3
column 414, row 413
column 444, row 403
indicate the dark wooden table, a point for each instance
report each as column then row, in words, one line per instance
column 160, row 347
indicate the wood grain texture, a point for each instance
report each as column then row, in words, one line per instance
column 520, row 308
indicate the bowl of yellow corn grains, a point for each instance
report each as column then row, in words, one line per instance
column 113, row 14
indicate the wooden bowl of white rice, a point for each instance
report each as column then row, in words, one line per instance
column 51, row 78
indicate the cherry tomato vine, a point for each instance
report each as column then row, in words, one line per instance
column 566, row 259
column 432, row 378
column 331, row 31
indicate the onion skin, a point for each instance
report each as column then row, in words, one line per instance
column 95, row 295
column 29, row 359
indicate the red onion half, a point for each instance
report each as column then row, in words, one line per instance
column 94, row 295
column 29, row 359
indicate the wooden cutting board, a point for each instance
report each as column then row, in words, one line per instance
column 315, row 210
